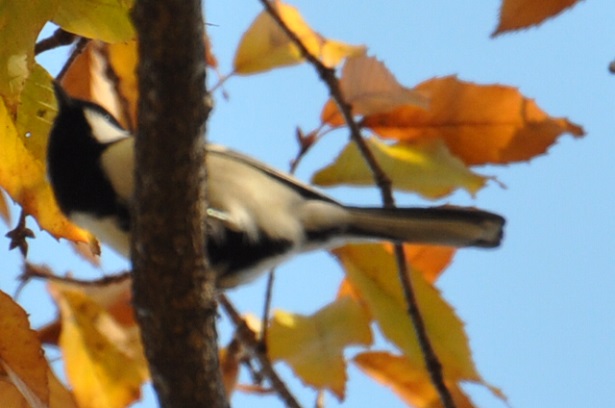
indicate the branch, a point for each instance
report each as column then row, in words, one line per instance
column 33, row 271
column 173, row 288
column 327, row 75
column 59, row 38
column 249, row 340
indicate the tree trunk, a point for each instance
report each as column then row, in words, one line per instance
column 173, row 287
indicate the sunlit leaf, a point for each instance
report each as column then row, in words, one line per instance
column 480, row 123
column 87, row 79
column 373, row 272
column 313, row 345
column 230, row 359
column 370, row 88
column 20, row 25
column 24, row 389
column 265, row 45
column 517, row 14
column 424, row 167
column 22, row 158
column 114, row 294
column 106, row 20
column 410, row 382
column 21, row 356
column 429, row 260
column 59, row 396
column 123, row 59
column 103, row 358
column 5, row 214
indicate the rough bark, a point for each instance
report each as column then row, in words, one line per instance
column 173, row 288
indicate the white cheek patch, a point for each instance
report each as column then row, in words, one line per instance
column 103, row 129
column 117, row 162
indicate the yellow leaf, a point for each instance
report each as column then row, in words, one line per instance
column 480, row 124
column 425, row 167
column 36, row 113
column 123, row 58
column 106, row 20
column 103, row 359
column 410, row 382
column 23, row 158
column 313, row 345
column 21, row 355
column 517, row 14
column 332, row 52
column 265, row 45
column 373, row 272
column 20, row 25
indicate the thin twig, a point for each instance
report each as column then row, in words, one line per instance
column 267, row 310
column 305, row 142
column 434, row 367
column 327, row 75
column 31, row 271
column 251, row 343
column 59, row 38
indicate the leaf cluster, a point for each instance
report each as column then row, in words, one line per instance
column 424, row 139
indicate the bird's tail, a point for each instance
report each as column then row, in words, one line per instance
column 450, row 226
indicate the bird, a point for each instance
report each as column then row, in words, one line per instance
column 257, row 216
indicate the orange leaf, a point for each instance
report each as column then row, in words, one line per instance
column 429, row 260
column 313, row 345
column 230, row 358
column 479, row 123
column 265, row 45
column 370, row 88
column 4, row 210
column 410, row 382
column 424, row 167
column 517, row 14
column 88, row 79
column 21, row 355
column 59, row 396
column 77, row 80
column 331, row 114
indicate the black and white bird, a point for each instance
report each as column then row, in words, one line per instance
column 258, row 216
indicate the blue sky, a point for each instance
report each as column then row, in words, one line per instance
column 538, row 311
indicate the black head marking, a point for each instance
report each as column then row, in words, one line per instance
column 73, row 160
